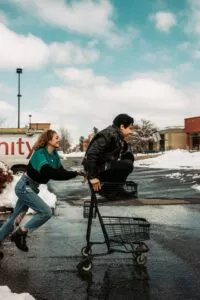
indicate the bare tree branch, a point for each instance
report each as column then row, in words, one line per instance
column 143, row 134
column 64, row 139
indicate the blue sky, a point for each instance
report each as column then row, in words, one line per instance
column 86, row 61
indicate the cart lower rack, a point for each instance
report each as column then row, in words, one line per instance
column 121, row 234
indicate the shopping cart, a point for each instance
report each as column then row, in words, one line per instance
column 121, row 234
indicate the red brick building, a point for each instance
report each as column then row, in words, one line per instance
column 192, row 129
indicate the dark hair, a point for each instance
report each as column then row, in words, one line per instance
column 123, row 119
column 44, row 138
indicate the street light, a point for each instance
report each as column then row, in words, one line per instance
column 30, row 121
column 19, row 71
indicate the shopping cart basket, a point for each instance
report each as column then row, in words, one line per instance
column 121, row 234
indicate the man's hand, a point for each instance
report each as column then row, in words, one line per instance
column 96, row 185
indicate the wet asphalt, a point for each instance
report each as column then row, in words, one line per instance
column 152, row 183
column 48, row 271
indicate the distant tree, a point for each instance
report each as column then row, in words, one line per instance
column 81, row 139
column 142, row 135
column 64, row 139
column 95, row 130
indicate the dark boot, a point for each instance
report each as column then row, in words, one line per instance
column 124, row 194
column 19, row 238
column 108, row 191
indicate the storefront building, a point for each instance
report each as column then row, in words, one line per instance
column 171, row 138
column 192, row 131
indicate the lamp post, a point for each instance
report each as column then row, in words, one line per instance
column 19, row 71
column 30, row 121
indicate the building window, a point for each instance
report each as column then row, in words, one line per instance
column 195, row 141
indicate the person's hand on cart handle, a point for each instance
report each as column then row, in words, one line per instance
column 80, row 173
column 96, row 184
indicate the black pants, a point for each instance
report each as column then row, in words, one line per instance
column 117, row 171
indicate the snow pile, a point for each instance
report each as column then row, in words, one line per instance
column 195, row 176
column 196, row 187
column 173, row 159
column 6, row 176
column 174, row 175
column 75, row 154
column 147, row 154
column 3, row 167
column 8, row 197
column 6, row 294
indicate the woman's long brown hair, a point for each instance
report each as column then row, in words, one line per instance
column 44, row 138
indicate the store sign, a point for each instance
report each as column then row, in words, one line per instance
column 17, row 146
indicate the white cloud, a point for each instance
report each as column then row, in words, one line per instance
column 69, row 53
column 89, row 17
column 160, row 3
column 184, row 67
column 196, row 54
column 5, row 89
column 19, row 50
column 193, row 14
column 78, row 77
column 65, row 103
column 164, row 21
column 161, row 56
column 121, row 38
column 87, row 100
column 37, row 117
column 93, row 43
column 192, row 49
column 6, row 110
column 3, row 17
column 32, row 52
column 184, row 46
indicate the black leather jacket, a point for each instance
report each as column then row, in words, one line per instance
column 107, row 145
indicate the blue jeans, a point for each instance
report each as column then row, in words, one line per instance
column 27, row 193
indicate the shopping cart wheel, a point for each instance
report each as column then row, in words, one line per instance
column 86, row 252
column 141, row 259
column 85, row 266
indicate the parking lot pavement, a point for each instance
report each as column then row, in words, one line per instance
column 49, row 271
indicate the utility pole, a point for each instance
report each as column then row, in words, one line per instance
column 19, row 72
column 30, row 121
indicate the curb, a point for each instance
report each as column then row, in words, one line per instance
column 140, row 202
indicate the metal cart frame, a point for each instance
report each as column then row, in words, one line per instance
column 121, row 234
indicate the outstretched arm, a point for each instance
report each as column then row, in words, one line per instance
column 47, row 172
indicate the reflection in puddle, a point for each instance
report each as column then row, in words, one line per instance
column 118, row 282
